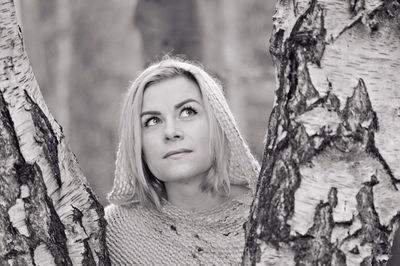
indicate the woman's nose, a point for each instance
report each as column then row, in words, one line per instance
column 172, row 133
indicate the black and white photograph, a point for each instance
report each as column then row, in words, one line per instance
column 200, row 132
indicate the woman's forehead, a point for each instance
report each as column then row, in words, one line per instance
column 170, row 92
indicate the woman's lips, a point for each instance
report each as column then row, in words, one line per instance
column 176, row 153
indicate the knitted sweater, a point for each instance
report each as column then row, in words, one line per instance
column 140, row 236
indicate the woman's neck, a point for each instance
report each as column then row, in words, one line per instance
column 188, row 196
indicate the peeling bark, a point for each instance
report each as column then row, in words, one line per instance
column 328, row 189
column 48, row 213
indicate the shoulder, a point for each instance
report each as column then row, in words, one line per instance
column 127, row 231
column 128, row 222
column 115, row 213
column 134, row 213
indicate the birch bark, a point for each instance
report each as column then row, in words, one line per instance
column 48, row 213
column 328, row 189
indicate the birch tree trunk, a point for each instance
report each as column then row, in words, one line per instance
column 48, row 213
column 328, row 189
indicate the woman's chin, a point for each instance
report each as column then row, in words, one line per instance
column 182, row 174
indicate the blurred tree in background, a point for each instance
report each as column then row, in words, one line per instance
column 86, row 53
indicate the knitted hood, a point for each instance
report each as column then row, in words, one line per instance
column 243, row 169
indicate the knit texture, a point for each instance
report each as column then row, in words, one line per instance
column 141, row 236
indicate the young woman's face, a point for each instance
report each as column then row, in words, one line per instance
column 175, row 131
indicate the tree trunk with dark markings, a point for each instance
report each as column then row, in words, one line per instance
column 48, row 213
column 328, row 189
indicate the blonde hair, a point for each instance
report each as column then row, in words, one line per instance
column 147, row 189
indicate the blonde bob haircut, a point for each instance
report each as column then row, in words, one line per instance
column 147, row 189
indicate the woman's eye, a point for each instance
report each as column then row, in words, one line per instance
column 151, row 121
column 188, row 111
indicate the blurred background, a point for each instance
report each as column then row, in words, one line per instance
column 85, row 54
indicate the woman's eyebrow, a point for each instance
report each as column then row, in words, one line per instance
column 179, row 105
column 150, row 113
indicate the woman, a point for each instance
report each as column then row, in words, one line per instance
column 184, row 176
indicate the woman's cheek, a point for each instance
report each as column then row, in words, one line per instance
column 148, row 145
